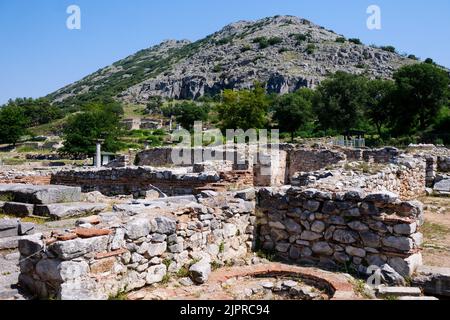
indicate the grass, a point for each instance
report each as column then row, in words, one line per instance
column 6, row 197
column 183, row 272
column 13, row 161
column 35, row 220
column 432, row 230
column 222, row 247
column 121, row 295
column 359, row 287
column 270, row 256
column 132, row 111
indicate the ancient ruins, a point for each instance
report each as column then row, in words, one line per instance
column 110, row 231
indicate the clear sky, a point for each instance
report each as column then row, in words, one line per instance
column 38, row 54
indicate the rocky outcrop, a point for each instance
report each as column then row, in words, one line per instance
column 284, row 52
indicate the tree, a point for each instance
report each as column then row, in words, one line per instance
column 294, row 111
column 186, row 113
column 83, row 129
column 38, row 111
column 340, row 101
column 244, row 109
column 379, row 102
column 13, row 124
column 422, row 90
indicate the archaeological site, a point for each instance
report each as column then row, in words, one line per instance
column 316, row 224
column 268, row 163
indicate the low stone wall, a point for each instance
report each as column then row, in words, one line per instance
column 341, row 229
column 126, row 181
column 407, row 178
column 130, row 249
column 304, row 160
column 443, row 164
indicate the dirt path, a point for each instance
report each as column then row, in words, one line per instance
column 436, row 232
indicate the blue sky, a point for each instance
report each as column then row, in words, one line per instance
column 38, row 54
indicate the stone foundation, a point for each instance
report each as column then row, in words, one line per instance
column 128, row 250
column 347, row 229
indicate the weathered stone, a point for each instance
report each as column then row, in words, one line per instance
column 341, row 257
column 247, row 194
column 292, row 226
column 137, row 228
column 165, row 225
column 318, row 226
column 310, row 236
column 18, row 209
column 344, row 236
column 277, row 225
column 282, row 247
column 399, row 243
column 61, row 271
column 370, row 239
column 399, row 292
column 358, row 226
column 382, row 197
column 278, row 235
column 118, row 240
column 156, row 274
column 433, row 280
column 31, row 245
column 336, row 220
column 156, row 249
column 311, row 205
column 294, row 252
column 406, row 267
column 405, row 229
column 200, row 271
column 69, row 210
column 40, row 194
column 68, row 250
column 322, row 248
column 355, row 252
column 80, row 289
column 9, row 228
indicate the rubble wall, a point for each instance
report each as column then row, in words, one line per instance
column 347, row 229
column 126, row 252
column 126, row 181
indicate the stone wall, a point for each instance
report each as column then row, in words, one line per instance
column 443, row 164
column 341, row 229
column 126, row 181
column 407, row 178
column 304, row 160
column 127, row 250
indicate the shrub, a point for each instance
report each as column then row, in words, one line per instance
column 388, row 49
column 246, row 48
column 217, row 68
column 340, row 40
column 355, row 41
column 310, row 48
column 275, row 40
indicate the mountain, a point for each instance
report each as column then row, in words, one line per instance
column 285, row 52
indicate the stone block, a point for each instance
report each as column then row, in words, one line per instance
column 69, row 210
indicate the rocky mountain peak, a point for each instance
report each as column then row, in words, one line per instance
column 285, row 52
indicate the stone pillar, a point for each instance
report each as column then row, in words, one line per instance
column 98, row 154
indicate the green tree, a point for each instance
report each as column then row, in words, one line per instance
column 83, row 129
column 421, row 92
column 340, row 102
column 186, row 113
column 13, row 124
column 38, row 111
column 244, row 109
column 294, row 111
column 379, row 102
